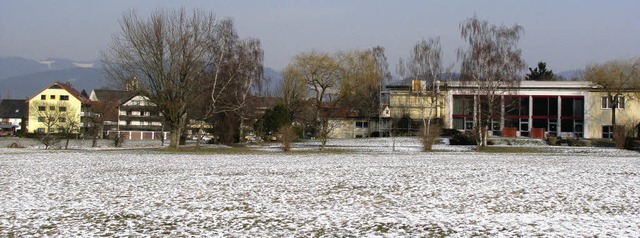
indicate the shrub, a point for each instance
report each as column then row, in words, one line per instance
column 15, row 145
column 288, row 134
column 118, row 140
column 603, row 143
column 448, row 132
column 50, row 141
column 573, row 142
column 466, row 138
column 552, row 140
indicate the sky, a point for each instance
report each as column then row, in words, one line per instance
column 566, row 34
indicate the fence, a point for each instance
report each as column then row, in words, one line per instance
column 140, row 135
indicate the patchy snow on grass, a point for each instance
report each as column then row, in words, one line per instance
column 369, row 192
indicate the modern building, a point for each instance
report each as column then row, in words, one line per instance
column 531, row 109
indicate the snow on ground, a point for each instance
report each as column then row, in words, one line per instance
column 373, row 191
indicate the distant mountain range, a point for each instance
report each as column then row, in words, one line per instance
column 22, row 78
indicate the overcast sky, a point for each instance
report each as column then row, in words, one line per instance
column 566, row 34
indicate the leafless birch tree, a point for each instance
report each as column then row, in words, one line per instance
column 491, row 63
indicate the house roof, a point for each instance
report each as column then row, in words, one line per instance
column 111, row 95
column 13, row 108
column 68, row 88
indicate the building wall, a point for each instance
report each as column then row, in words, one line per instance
column 350, row 128
column 139, row 114
column 597, row 116
column 73, row 104
column 416, row 105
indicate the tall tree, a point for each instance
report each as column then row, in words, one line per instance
column 177, row 57
column 619, row 79
column 425, row 64
column 321, row 73
column 540, row 73
column 293, row 94
column 491, row 64
column 362, row 76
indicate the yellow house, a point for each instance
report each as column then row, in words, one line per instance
column 57, row 108
column 599, row 109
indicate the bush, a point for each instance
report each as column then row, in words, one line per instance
column 50, row 141
column 448, row 132
column 552, row 140
column 466, row 138
column 288, row 134
column 603, row 143
column 118, row 140
column 15, row 145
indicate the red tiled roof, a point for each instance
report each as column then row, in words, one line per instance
column 68, row 88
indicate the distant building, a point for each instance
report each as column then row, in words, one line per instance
column 106, row 103
column 12, row 112
column 575, row 109
column 56, row 106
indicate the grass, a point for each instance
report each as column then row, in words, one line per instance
column 510, row 149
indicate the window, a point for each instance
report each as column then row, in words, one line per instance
column 64, row 97
column 362, row 124
column 62, row 109
column 607, row 103
column 40, row 130
column 607, row 132
column 52, row 108
column 53, row 97
column 41, row 119
column 51, row 130
column 63, row 119
column 43, row 97
column 42, row 108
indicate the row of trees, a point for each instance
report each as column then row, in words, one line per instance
column 179, row 57
column 194, row 66
column 333, row 81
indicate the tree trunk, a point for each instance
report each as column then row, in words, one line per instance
column 175, row 136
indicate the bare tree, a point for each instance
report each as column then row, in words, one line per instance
column 619, row 79
column 362, row 78
column 57, row 118
column 320, row 72
column 293, row 94
column 425, row 65
column 234, row 74
column 491, row 64
column 177, row 57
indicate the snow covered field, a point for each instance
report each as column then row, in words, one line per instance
column 371, row 192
